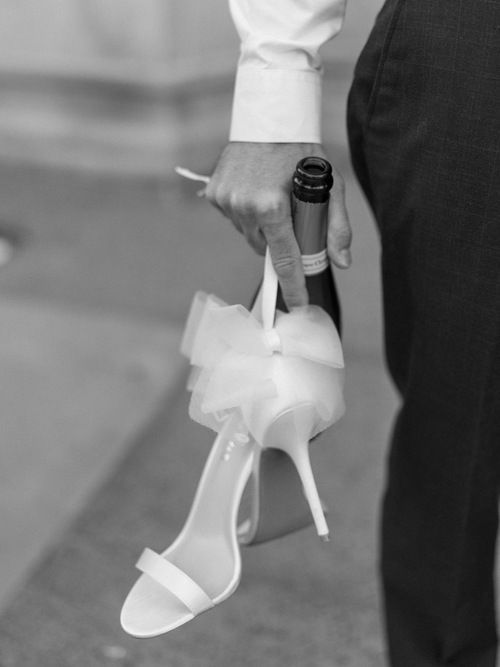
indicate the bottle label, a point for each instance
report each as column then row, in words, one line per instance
column 313, row 264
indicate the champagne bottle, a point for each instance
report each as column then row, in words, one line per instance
column 312, row 182
column 281, row 507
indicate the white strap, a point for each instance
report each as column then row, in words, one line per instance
column 174, row 580
column 269, row 292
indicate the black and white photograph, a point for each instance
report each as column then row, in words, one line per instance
column 249, row 333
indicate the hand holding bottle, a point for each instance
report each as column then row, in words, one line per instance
column 251, row 186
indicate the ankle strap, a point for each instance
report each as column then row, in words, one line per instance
column 264, row 307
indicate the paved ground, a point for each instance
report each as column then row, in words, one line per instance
column 75, row 388
column 300, row 602
column 93, row 302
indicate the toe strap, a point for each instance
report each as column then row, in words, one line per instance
column 175, row 581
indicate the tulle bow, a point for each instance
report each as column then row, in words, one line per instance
column 238, row 363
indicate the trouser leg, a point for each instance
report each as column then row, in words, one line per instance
column 424, row 132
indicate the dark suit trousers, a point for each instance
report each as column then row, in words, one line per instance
column 424, row 131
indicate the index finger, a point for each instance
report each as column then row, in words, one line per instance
column 286, row 258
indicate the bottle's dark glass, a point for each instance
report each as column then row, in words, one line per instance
column 312, row 182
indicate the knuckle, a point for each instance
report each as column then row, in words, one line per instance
column 270, row 204
column 341, row 238
column 225, row 196
column 218, row 196
column 339, row 220
column 236, row 201
column 345, row 235
column 285, row 266
column 266, row 206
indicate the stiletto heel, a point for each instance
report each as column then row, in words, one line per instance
column 275, row 505
column 299, row 453
column 290, row 432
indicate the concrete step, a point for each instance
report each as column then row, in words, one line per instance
column 76, row 388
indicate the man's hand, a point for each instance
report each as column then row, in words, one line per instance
column 251, row 185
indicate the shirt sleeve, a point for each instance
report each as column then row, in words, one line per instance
column 277, row 94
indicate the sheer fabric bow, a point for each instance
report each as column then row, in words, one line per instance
column 238, row 364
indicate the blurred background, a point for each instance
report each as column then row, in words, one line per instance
column 102, row 247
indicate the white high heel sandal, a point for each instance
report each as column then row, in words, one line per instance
column 276, row 505
column 203, row 565
column 259, row 384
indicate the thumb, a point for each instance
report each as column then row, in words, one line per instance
column 339, row 228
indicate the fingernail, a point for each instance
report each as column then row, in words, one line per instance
column 345, row 257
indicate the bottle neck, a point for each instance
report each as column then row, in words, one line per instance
column 310, row 228
column 310, row 225
column 312, row 182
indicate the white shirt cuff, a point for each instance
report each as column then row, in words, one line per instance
column 276, row 105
